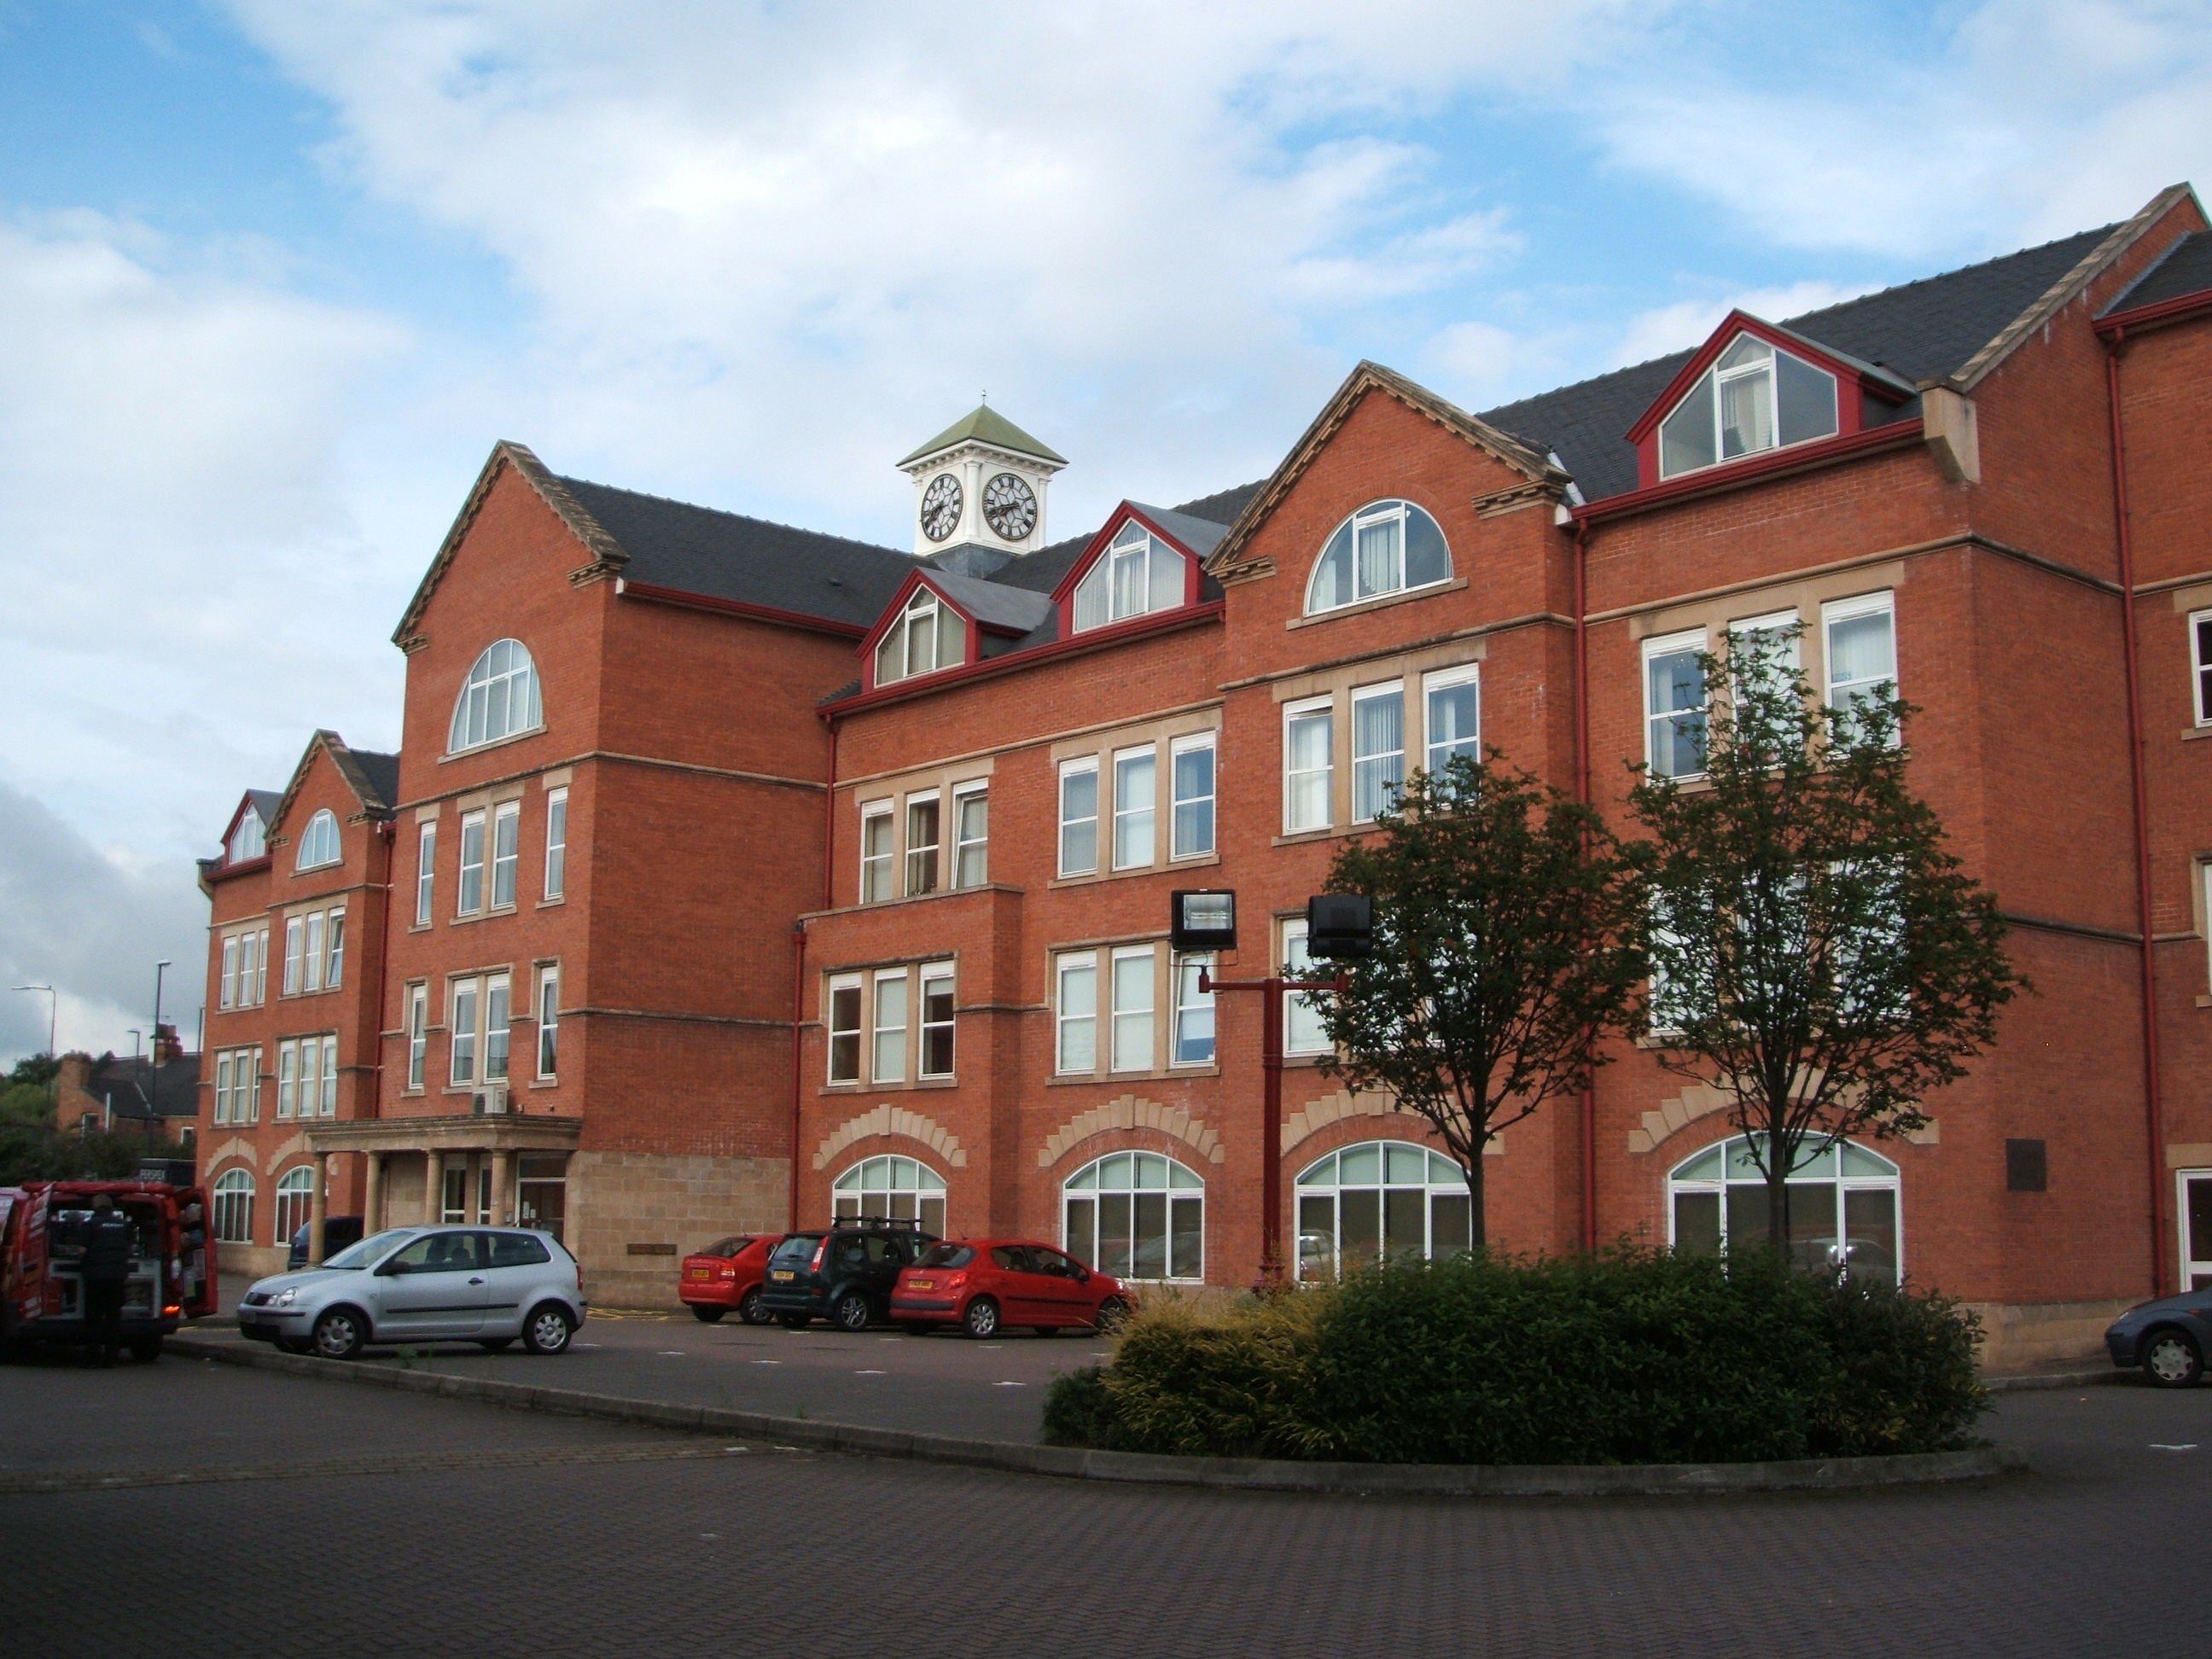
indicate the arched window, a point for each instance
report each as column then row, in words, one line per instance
column 233, row 1207
column 927, row 636
column 1137, row 573
column 896, row 1187
column 499, row 698
column 295, row 1199
column 1379, row 1199
column 1384, row 548
column 1137, row 1215
column 318, row 842
column 250, row 840
column 1844, row 1204
column 1754, row 398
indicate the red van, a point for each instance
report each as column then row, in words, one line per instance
column 173, row 1268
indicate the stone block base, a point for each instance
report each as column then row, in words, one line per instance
column 2018, row 1334
column 632, row 1216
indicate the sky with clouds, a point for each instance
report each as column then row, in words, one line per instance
column 275, row 274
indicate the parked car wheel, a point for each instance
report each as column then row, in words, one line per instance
column 752, row 1309
column 548, row 1329
column 496, row 1344
column 1113, row 1313
column 981, row 1319
column 339, row 1334
column 146, row 1350
column 794, row 1321
column 2171, row 1359
column 706, row 1315
column 851, row 1312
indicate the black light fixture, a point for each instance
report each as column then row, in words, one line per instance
column 1202, row 919
column 1339, row 925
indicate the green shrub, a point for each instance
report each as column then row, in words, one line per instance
column 1625, row 1355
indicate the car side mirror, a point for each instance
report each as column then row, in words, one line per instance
column 392, row 1270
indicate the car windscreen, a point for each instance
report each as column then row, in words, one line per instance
column 947, row 1255
column 728, row 1246
column 798, row 1248
column 372, row 1248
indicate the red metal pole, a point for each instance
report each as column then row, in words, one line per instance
column 1589, row 1101
column 797, row 1068
column 1271, row 1137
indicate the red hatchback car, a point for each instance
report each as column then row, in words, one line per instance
column 727, row 1274
column 984, row 1286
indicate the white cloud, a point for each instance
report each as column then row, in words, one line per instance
column 1689, row 322
column 179, row 564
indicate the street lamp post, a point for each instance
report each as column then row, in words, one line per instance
column 54, row 1019
column 153, row 1068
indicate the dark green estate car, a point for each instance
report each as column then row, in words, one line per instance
column 843, row 1273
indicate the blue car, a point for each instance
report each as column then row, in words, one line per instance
column 2168, row 1337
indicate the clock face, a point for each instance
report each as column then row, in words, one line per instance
column 1009, row 507
column 941, row 506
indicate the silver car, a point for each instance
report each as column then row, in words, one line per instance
column 483, row 1285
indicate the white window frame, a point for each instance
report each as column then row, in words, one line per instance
column 876, row 871
column 1137, row 826
column 1843, row 1182
column 1134, row 1034
column 548, row 1044
column 855, row 1032
column 557, row 843
column 261, row 966
column 898, row 638
column 976, row 794
column 1449, row 679
column 461, row 1035
column 935, row 973
column 288, row 1079
column 1190, row 1005
column 1069, row 769
column 311, row 961
column 498, row 1027
column 232, row 1201
column 1391, row 788
column 334, row 949
column 318, row 842
column 505, row 854
column 1769, row 368
column 465, row 731
column 1392, row 510
column 250, row 840
column 227, row 992
column 418, row 1034
column 295, row 933
column 1199, row 743
column 426, row 872
column 1099, row 600
column 1835, row 611
column 1066, row 1018
column 1297, row 1007
column 1311, row 1184
column 1307, row 709
column 472, row 825
column 1088, row 1185
column 924, row 862
column 1691, row 641
column 879, row 1032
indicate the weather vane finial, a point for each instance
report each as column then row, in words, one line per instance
column 987, row 397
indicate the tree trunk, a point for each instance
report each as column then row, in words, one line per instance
column 1477, row 1226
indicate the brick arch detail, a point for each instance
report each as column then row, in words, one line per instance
column 1131, row 1112
column 889, row 1120
column 1317, row 1114
column 238, row 1147
column 1702, row 1100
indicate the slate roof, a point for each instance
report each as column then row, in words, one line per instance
column 1920, row 332
column 375, row 777
column 265, row 803
column 2186, row 268
column 994, row 604
column 727, row 556
column 121, row 1085
column 984, row 424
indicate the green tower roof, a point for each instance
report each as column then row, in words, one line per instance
column 986, row 425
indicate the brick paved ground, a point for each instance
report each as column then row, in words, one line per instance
column 769, row 1553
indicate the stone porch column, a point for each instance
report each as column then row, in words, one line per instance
column 372, row 1200
column 318, row 1208
column 502, row 1188
column 433, row 1188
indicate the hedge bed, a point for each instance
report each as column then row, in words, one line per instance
column 1617, row 1358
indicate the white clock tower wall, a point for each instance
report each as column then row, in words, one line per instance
column 968, row 489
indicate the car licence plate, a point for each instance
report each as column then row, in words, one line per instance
column 783, row 1275
column 699, row 1272
column 921, row 1283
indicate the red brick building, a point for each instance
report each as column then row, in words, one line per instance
column 867, row 855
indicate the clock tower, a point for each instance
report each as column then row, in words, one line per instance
column 979, row 490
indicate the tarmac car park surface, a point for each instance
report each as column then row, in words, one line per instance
column 298, row 1505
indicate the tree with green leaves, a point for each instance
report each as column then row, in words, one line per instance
column 1506, row 921
column 1817, row 954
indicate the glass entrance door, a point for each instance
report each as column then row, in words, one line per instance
column 2195, row 1214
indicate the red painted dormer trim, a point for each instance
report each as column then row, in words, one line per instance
column 1853, row 386
column 224, row 866
column 971, row 636
column 2182, row 306
column 1064, row 595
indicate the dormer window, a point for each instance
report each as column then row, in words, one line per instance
column 250, row 840
column 318, row 844
column 1754, row 398
column 928, row 635
column 1386, row 547
column 1136, row 574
